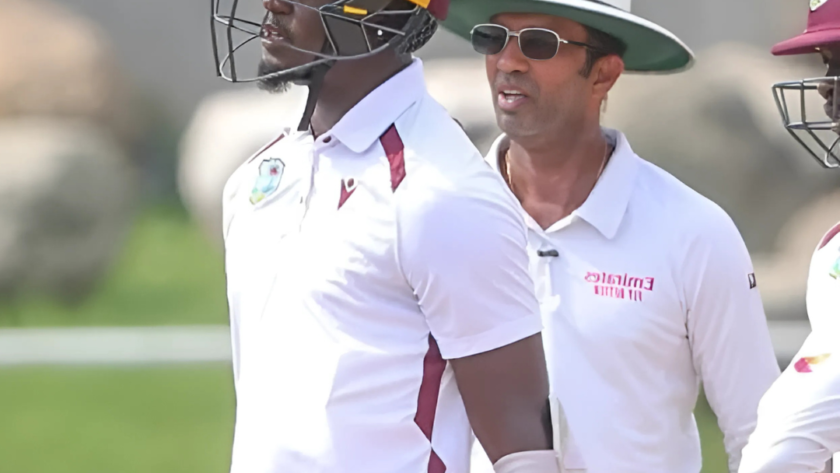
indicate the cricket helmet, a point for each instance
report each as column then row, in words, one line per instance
column 355, row 29
column 820, row 136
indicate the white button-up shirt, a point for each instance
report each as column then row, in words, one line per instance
column 799, row 417
column 651, row 292
column 357, row 263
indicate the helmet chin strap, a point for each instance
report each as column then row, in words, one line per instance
column 314, row 81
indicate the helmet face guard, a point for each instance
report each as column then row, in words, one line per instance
column 355, row 29
column 820, row 136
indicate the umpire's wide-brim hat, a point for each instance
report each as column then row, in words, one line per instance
column 650, row 47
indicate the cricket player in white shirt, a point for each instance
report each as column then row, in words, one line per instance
column 799, row 417
column 380, row 300
column 646, row 287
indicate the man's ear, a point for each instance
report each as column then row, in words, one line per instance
column 606, row 72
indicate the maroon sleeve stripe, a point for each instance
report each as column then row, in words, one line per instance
column 433, row 367
column 436, row 464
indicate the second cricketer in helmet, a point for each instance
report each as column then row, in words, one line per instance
column 799, row 418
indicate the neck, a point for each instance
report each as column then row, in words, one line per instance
column 553, row 177
column 348, row 82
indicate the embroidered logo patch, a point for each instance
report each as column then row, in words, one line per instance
column 348, row 187
column 271, row 171
column 835, row 270
column 817, row 3
column 807, row 363
column 619, row 286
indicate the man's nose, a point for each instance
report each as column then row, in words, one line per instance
column 510, row 59
column 278, row 7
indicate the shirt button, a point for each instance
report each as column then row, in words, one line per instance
column 327, row 139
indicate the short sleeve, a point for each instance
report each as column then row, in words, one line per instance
column 465, row 258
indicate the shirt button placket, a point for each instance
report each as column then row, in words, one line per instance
column 546, row 255
column 544, row 289
column 306, row 197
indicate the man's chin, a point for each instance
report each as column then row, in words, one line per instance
column 274, row 84
column 513, row 124
column 283, row 80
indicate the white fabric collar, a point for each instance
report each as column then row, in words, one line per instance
column 607, row 204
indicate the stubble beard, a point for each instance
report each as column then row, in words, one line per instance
column 523, row 125
column 276, row 84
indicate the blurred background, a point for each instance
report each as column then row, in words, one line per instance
column 116, row 139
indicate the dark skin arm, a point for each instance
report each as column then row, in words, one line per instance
column 505, row 392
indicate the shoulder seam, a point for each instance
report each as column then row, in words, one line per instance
column 266, row 147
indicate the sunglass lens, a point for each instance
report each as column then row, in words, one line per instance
column 489, row 39
column 538, row 45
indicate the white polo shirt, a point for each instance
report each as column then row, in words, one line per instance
column 799, row 417
column 651, row 292
column 356, row 264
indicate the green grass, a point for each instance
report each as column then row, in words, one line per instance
column 90, row 420
column 149, row 420
column 146, row 420
column 711, row 439
column 167, row 274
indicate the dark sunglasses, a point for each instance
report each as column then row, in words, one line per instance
column 538, row 44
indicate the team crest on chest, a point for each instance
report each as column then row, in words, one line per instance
column 268, row 181
column 834, row 272
column 817, row 3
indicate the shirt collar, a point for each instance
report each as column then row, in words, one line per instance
column 607, row 204
column 374, row 114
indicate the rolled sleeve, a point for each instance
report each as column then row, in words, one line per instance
column 465, row 258
column 730, row 340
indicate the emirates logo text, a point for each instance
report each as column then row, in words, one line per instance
column 619, row 286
